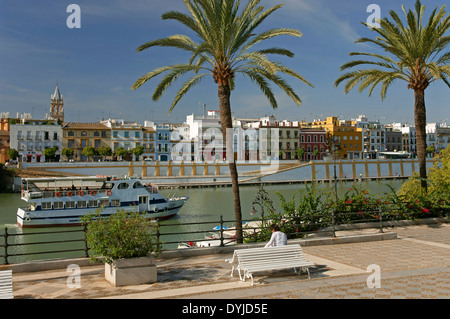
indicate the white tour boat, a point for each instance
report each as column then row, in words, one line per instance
column 63, row 200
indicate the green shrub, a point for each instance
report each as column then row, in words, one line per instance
column 121, row 235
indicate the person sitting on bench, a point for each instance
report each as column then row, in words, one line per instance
column 278, row 238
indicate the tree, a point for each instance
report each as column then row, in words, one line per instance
column 104, row 151
column 13, row 154
column 89, row 151
column 138, row 151
column 227, row 37
column 415, row 54
column 431, row 149
column 300, row 152
column 68, row 152
column 50, row 152
column 120, row 151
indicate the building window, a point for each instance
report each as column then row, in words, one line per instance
column 127, row 134
column 83, row 133
column 71, row 133
column 96, row 133
column 136, row 134
column 115, row 134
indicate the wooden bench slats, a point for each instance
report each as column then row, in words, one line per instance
column 6, row 291
column 270, row 258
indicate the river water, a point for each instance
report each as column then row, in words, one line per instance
column 204, row 205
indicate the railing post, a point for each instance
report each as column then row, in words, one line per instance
column 5, row 236
column 380, row 211
column 333, row 221
column 158, row 235
column 221, row 231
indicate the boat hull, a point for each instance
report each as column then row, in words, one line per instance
column 57, row 218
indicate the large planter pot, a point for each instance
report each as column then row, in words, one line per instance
column 131, row 271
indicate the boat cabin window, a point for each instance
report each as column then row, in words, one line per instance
column 58, row 205
column 104, row 202
column 138, row 185
column 115, row 202
column 108, row 185
column 123, row 186
column 93, row 203
column 70, row 204
column 81, row 204
column 46, row 205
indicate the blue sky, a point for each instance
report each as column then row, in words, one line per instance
column 96, row 64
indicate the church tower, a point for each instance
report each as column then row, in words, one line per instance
column 57, row 105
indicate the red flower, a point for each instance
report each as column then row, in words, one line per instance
column 349, row 201
column 425, row 210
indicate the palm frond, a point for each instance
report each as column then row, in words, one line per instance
column 185, row 88
column 413, row 52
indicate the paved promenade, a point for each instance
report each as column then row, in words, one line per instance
column 414, row 265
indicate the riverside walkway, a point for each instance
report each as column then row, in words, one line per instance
column 414, row 263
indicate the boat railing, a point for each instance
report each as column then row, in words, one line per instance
column 64, row 193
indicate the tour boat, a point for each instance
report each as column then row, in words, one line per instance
column 59, row 201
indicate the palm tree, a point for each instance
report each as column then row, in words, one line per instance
column 226, row 39
column 415, row 54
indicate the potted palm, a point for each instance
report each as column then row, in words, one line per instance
column 126, row 242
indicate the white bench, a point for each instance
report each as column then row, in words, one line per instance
column 6, row 291
column 271, row 258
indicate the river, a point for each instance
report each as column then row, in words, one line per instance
column 204, row 205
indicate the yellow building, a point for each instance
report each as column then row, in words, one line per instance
column 77, row 136
column 4, row 139
column 343, row 134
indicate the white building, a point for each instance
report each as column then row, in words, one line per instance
column 31, row 137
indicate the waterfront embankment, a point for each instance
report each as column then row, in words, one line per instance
column 200, row 174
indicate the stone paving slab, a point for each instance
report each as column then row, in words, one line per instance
column 415, row 266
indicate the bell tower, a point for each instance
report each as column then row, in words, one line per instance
column 57, row 105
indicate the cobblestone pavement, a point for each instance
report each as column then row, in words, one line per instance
column 416, row 265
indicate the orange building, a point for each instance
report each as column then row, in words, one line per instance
column 4, row 139
column 343, row 134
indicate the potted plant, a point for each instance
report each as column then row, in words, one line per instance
column 126, row 242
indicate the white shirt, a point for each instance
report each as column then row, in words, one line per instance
column 278, row 239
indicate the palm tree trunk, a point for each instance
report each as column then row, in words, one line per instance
column 421, row 136
column 227, row 123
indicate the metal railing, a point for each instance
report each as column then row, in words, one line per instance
column 18, row 245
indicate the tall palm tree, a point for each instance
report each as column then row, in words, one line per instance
column 415, row 54
column 225, row 43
